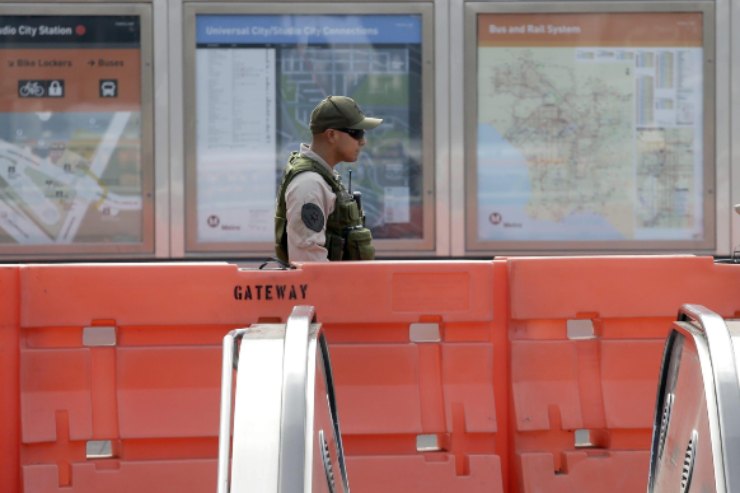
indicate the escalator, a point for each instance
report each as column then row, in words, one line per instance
column 696, row 429
column 279, row 428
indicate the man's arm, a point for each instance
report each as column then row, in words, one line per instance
column 309, row 201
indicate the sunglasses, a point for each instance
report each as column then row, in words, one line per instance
column 355, row 133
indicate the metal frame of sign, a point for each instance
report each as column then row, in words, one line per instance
column 110, row 247
column 474, row 245
column 391, row 247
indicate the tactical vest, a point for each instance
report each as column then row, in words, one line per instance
column 347, row 238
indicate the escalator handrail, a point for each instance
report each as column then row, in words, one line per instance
column 292, row 465
column 727, row 390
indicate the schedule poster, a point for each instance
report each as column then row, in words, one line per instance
column 590, row 127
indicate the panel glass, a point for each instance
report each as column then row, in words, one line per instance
column 591, row 131
column 72, row 145
column 257, row 78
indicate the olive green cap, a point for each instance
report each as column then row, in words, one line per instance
column 340, row 112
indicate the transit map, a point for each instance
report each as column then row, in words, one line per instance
column 590, row 127
column 70, row 130
column 257, row 79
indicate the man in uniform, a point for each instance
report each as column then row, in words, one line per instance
column 316, row 218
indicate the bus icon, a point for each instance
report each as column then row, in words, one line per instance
column 109, row 88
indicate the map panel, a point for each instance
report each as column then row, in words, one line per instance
column 70, row 130
column 592, row 136
column 375, row 59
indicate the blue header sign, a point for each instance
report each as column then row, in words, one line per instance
column 308, row 29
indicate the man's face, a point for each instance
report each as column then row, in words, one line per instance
column 347, row 147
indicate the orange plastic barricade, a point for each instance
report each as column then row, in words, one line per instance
column 119, row 370
column 514, row 375
column 9, row 378
column 586, row 342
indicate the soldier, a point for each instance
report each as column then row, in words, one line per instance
column 316, row 218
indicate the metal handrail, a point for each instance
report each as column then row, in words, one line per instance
column 292, row 465
column 727, row 390
column 224, row 433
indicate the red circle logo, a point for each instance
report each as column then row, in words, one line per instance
column 80, row 30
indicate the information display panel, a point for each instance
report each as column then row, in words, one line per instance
column 76, row 170
column 592, row 130
column 258, row 75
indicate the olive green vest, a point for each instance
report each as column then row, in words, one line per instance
column 347, row 238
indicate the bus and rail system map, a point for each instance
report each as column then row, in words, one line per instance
column 590, row 127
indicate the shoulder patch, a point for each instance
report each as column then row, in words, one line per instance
column 312, row 217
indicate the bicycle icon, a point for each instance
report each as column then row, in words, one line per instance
column 31, row 89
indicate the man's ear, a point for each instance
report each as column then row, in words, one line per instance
column 331, row 135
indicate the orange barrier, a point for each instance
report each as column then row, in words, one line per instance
column 583, row 403
column 110, row 373
column 9, row 378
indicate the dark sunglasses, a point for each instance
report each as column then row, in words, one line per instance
column 355, row 133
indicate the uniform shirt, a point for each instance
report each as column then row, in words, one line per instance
column 305, row 244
